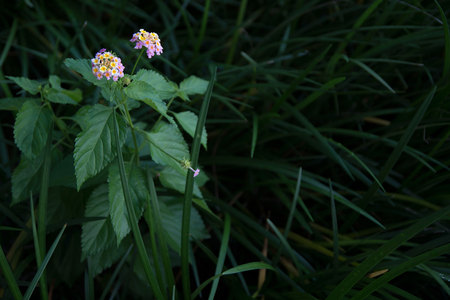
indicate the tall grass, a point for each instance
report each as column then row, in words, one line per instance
column 352, row 93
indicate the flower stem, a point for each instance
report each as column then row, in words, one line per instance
column 133, row 133
column 135, row 64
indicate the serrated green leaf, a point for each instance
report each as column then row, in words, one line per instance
column 82, row 117
column 165, row 89
column 188, row 120
column 15, row 104
column 24, row 178
column 97, row 235
column 174, row 180
column 141, row 91
column 168, row 138
column 83, row 66
column 104, row 259
column 193, row 85
column 117, row 206
column 95, row 146
column 31, row 86
column 172, row 213
column 31, row 128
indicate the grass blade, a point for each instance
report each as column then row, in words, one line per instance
column 315, row 95
column 400, row 269
column 237, row 31
column 222, row 254
column 446, row 70
column 238, row 269
column 149, row 218
column 254, row 134
column 379, row 254
column 288, row 248
column 395, row 155
column 159, row 231
column 337, row 54
column 327, row 149
column 41, row 269
column 371, row 72
column 189, row 188
column 115, row 274
column 294, row 204
column 132, row 218
column 335, row 225
column 9, row 276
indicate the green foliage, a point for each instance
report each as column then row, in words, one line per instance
column 31, row 128
column 171, row 214
column 167, row 146
column 117, row 208
column 188, row 121
column 83, row 67
column 97, row 235
column 31, row 86
column 94, row 146
column 161, row 87
column 192, row 86
column 172, row 179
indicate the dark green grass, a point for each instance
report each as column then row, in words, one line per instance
column 355, row 93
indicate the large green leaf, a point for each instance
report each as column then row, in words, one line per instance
column 31, row 86
column 117, row 206
column 95, row 146
column 97, row 235
column 172, row 212
column 174, row 180
column 188, row 120
column 24, row 178
column 167, row 146
column 83, row 66
column 191, row 86
column 142, row 91
column 164, row 88
column 31, row 128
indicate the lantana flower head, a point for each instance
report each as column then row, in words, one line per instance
column 107, row 64
column 149, row 40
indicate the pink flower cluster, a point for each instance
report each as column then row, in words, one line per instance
column 150, row 40
column 107, row 64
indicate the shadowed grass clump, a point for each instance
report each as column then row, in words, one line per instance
column 327, row 158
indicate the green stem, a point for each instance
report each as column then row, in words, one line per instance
column 132, row 218
column 159, row 231
column 133, row 133
column 42, row 210
column 189, row 190
column 155, row 253
column 135, row 64
column 168, row 105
